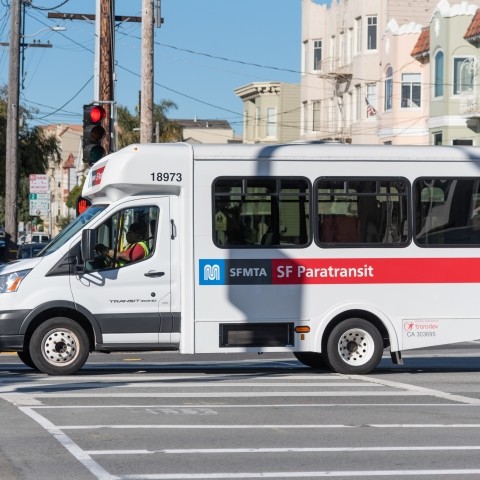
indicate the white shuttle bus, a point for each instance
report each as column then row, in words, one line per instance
column 332, row 252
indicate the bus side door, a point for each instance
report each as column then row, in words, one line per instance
column 131, row 300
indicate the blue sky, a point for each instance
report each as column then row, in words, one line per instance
column 203, row 51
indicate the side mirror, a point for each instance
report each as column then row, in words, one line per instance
column 87, row 246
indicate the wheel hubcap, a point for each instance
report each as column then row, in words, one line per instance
column 60, row 346
column 356, row 346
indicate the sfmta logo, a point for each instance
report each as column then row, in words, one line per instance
column 211, row 272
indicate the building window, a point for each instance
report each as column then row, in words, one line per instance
column 358, row 35
column 358, row 102
column 271, row 122
column 317, row 55
column 305, row 57
column 371, row 100
column 349, row 45
column 332, row 52
column 467, row 142
column 305, row 117
column 438, row 138
column 439, row 64
column 389, row 89
column 411, row 90
column 371, row 33
column 462, row 74
column 316, row 116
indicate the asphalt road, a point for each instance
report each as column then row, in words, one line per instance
column 168, row 416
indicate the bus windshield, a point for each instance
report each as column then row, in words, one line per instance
column 72, row 228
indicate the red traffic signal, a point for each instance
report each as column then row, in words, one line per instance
column 93, row 133
column 97, row 113
column 82, row 205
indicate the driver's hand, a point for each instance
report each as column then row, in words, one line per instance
column 101, row 248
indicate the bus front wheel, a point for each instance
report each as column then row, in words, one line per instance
column 59, row 346
column 355, row 346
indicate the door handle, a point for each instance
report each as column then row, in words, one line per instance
column 153, row 273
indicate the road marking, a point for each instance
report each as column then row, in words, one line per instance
column 346, row 473
column 267, row 426
column 69, row 445
column 418, row 390
column 282, row 450
column 351, row 393
column 348, row 406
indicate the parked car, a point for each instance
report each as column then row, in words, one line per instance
column 39, row 237
column 29, row 250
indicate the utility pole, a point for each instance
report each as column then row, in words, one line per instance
column 106, row 91
column 146, row 106
column 11, row 162
column 105, row 19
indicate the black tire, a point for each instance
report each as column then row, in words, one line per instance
column 26, row 359
column 59, row 346
column 312, row 359
column 354, row 346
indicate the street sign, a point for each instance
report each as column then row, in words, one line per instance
column 39, row 204
column 38, row 183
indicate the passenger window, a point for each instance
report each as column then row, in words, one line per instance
column 125, row 238
column 255, row 212
column 356, row 212
column 447, row 212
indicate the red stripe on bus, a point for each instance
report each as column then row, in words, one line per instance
column 375, row 270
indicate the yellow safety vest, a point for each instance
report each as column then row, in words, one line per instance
column 143, row 244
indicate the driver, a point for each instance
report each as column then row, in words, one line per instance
column 136, row 249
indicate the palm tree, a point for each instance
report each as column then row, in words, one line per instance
column 127, row 130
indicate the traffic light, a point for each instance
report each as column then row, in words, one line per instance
column 82, row 205
column 93, row 133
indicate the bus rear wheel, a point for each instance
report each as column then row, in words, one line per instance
column 311, row 359
column 59, row 346
column 355, row 346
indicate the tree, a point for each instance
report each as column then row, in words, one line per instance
column 35, row 150
column 128, row 124
column 75, row 192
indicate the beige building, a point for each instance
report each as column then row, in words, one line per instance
column 454, row 65
column 65, row 175
column 404, row 90
column 205, row 131
column 345, row 67
column 270, row 112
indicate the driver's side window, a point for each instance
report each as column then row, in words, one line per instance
column 126, row 237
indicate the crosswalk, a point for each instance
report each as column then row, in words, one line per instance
column 251, row 424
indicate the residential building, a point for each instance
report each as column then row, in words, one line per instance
column 270, row 112
column 453, row 55
column 205, row 131
column 347, row 49
column 64, row 176
column 404, row 93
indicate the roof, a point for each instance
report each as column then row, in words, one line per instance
column 473, row 31
column 422, row 47
column 202, row 123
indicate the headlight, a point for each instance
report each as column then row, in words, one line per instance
column 11, row 281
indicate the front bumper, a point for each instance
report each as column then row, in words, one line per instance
column 11, row 343
column 10, row 327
